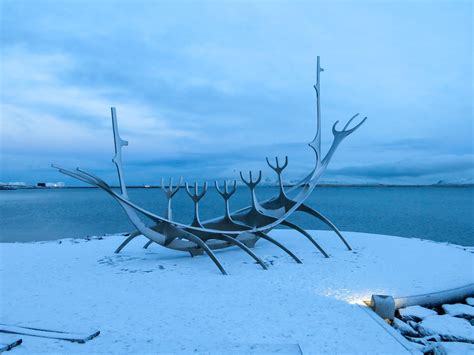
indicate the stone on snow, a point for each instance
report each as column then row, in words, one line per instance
column 415, row 313
column 404, row 328
column 448, row 328
column 425, row 340
column 452, row 348
column 459, row 310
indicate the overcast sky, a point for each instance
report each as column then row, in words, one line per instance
column 206, row 89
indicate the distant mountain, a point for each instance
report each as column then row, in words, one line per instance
column 459, row 182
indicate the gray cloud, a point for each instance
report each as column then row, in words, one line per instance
column 410, row 168
column 211, row 89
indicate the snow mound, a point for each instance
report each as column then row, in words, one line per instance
column 448, row 328
column 416, row 313
column 470, row 301
column 459, row 310
column 404, row 328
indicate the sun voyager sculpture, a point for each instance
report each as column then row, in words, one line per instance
column 241, row 228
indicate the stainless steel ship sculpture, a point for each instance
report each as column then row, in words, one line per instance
column 241, row 228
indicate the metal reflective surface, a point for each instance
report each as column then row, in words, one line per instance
column 241, row 228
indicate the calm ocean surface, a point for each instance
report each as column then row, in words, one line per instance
column 438, row 213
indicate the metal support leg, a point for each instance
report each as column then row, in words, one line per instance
column 126, row 241
column 314, row 213
column 148, row 244
column 244, row 248
column 307, row 235
column 278, row 244
column 199, row 242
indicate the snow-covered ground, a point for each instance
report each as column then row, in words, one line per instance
column 158, row 300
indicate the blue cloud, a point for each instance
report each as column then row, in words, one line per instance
column 220, row 86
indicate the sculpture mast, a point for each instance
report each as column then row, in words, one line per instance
column 117, row 159
column 316, row 142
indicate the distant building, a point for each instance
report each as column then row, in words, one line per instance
column 55, row 184
column 51, row 185
column 13, row 185
column 17, row 183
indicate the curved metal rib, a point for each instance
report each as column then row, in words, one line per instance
column 306, row 209
column 226, row 195
column 278, row 244
column 169, row 191
column 282, row 199
column 196, row 197
column 278, row 170
column 244, row 248
column 252, row 184
column 307, row 235
column 198, row 241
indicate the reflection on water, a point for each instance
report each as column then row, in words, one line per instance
column 436, row 213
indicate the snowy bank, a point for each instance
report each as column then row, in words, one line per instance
column 161, row 300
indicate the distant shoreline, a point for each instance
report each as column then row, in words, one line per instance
column 288, row 186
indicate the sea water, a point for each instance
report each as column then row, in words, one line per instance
column 444, row 214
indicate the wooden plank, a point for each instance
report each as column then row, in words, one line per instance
column 47, row 333
column 9, row 341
